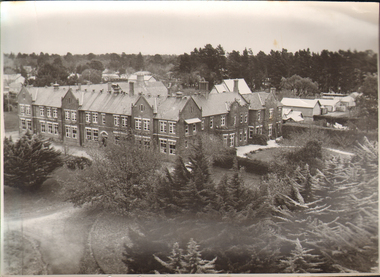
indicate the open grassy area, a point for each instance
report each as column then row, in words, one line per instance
column 21, row 255
column 10, row 121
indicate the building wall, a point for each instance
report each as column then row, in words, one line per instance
column 71, row 125
column 24, row 100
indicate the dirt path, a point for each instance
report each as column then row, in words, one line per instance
column 62, row 236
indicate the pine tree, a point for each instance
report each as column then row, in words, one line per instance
column 29, row 162
column 175, row 264
column 301, row 261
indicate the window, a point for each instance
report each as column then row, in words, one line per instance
column 27, row 110
column 88, row 134
column 138, row 124
column 171, row 147
column 194, row 128
column 48, row 112
column 29, row 125
column 186, row 144
column 163, row 146
column 116, row 121
column 171, row 127
column 96, row 134
column 103, row 118
column 42, row 111
column 225, row 139
column 67, row 131
column 67, row 115
column 50, row 128
column 142, row 107
column 223, row 120
column 245, row 135
column 55, row 113
column 124, row 121
column 23, row 124
column 259, row 130
column 258, row 116
column 43, row 127
column 22, row 109
column 94, row 117
column 234, row 120
column 74, row 132
column 73, row 115
column 203, row 124
column 270, row 130
column 211, row 122
column 88, row 117
column 241, row 135
column 270, row 113
column 55, row 129
column 232, row 140
column 146, row 124
column 279, row 112
column 146, row 141
column 246, row 118
column 241, row 118
column 162, row 127
column 186, row 129
column 251, row 132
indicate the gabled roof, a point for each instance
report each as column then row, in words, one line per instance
column 218, row 103
column 302, row 103
column 47, row 96
column 169, row 108
column 255, row 101
column 293, row 115
column 242, row 85
column 329, row 102
column 228, row 86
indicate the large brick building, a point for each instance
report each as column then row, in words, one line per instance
column 144, row 111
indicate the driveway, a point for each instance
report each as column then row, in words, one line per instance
column 62, row 236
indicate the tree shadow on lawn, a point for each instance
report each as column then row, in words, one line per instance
column 47, row 199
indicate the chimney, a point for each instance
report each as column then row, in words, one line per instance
column 236, row 85
column 140, row 79
column 56, row 86
column 131, row 88
column 79, row 86
column 179, row 94
column 203, row 86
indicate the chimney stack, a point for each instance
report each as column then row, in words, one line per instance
column 131, row 88
column 140, row 79
column 236, row 85
column 56, row 86
column 109, row 87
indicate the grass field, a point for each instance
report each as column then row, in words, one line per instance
column 10, row 121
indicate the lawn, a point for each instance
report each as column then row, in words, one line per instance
column 10, row 121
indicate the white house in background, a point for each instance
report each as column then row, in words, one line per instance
column 290, row 115
column 348, row 101
column 12, row 82
column 147, row 76
column 232, row 85
column 330, row 105
column 308, row 107
column 109, row 75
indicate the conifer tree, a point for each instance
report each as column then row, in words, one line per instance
column 29, row 162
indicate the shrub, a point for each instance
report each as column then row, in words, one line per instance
column 253, row 166
column 260, row 139
column 73, row 162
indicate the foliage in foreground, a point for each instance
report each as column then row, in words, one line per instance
column 29, row 162
column 322, row 222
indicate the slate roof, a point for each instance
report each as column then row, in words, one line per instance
column 256, row 102
column 170, row 107
column 302, row 103
column 328, row 102
column 47, row 96
column 218, row 103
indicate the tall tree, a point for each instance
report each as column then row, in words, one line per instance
column 29, row 162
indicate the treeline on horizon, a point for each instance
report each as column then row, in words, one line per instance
column 341, row 71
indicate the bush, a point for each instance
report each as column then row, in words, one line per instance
column 260, row 139
column 73, row 162
column 253, row 166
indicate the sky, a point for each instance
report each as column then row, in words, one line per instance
column 173, row 27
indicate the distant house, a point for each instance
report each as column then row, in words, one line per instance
column 232, row 85
column 147, row 76
column 308, row 107
column 12, row 83
column 292, row 116
column 329, row 105
column 109, row 75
